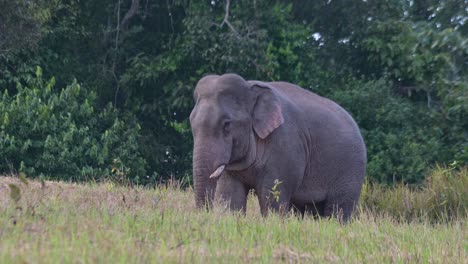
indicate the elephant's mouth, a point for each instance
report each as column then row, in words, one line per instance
column 217, row 172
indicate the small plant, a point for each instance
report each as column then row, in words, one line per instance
column 274, row 190
column 119, row 172
column 15, row 193
column 15, row 196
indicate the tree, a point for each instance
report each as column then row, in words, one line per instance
column 144, row 57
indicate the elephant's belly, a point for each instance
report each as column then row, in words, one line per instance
column 306, row 195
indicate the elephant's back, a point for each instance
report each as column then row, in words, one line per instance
column 306, row 100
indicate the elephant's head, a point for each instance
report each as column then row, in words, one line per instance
column 228, row 117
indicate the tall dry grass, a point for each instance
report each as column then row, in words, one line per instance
column 442, row 198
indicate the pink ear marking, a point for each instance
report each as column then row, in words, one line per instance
column 268, row 112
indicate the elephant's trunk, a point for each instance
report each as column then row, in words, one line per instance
column 209, row 161
column 203, row 184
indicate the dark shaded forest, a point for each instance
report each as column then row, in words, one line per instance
column 95, row 90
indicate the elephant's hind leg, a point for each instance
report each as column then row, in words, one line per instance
column 341, row 206
column 298, row 210
column 315, row 209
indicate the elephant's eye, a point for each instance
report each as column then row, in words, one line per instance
column 227, row 127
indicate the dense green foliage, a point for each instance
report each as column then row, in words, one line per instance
column 399, row 67
column 58, row 133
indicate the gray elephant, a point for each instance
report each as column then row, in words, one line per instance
column 294, row 148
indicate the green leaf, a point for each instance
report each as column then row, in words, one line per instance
column 38, row 72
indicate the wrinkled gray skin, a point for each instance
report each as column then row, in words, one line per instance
column 247, row 134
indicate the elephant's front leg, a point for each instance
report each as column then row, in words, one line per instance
column 232, row 192
column 273, row 196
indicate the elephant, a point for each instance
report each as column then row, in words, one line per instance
column 297, row 150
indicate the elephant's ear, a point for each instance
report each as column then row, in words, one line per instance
column 267, row 112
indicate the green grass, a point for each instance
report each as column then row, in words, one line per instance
column 104, row 223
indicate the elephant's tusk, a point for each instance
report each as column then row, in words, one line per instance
column 217, row 172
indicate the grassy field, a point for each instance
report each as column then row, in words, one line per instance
column 55, row 222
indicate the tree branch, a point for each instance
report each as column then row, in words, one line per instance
column 169, row 12
column 226, row 19
column 130, row 13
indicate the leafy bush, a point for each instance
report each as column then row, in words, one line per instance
column 59, row 134
column 401, row 138
column 444, row 197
